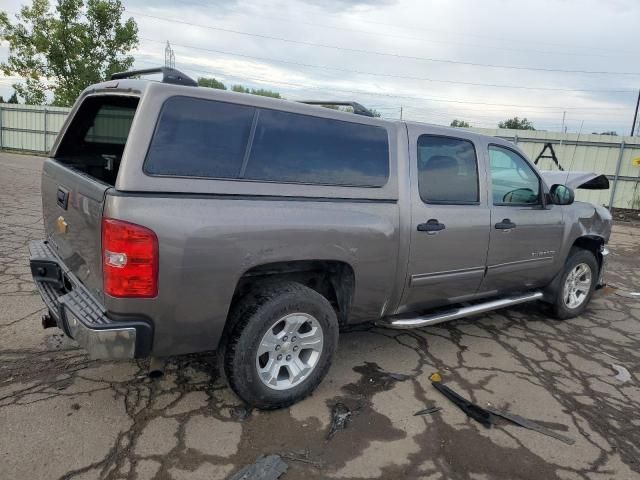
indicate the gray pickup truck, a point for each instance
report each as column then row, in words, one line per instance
column 181, row 219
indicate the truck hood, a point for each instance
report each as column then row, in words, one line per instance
column 574, row 180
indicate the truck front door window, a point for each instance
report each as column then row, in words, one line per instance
column 512, row 179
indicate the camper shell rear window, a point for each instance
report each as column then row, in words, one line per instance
column 95, row 139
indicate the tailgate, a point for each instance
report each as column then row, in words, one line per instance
column 72, row 207
column 85, row 164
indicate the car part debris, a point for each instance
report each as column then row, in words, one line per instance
column 265, row 468
column 427, row 411
column 240, row 412
column 626, row 294
column 471, row 409
column 400, row 377
column 340, row 415
column 623, row 374
column 523, row 422
column 302, row 456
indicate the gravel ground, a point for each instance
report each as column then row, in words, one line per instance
column 63, row 415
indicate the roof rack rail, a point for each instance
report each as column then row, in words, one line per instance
column 357, row 108
column 169, row 75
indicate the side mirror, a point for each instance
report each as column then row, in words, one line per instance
column 561, row 194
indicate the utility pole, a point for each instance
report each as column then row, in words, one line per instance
column 400, row 112
column 169, row 56
column 635, row 115
column 564, row 114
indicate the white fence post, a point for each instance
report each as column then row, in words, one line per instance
column 44, row 146
column 615, row 180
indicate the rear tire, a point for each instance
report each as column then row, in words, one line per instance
column 282, row 341
column 576, row 285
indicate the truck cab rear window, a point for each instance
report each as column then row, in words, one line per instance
column 95, row 139
column 204, row 138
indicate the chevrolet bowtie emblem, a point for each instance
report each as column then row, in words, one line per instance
column 63, row 226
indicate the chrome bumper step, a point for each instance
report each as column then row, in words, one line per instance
column 404, row 322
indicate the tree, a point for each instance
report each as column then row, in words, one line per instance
column 253, row 91
column 460, row 124
column 516, row 123
column 612, row 133
column 211, row 83
column 13, row 98
column 65, row 49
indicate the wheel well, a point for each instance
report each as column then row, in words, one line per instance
column 591, row 243
column 334, row 280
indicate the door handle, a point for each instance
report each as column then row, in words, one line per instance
column 431, row 226
column 505, row 224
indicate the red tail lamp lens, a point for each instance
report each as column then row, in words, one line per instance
column 129, row 260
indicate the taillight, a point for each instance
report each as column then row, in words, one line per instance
column 129, row 259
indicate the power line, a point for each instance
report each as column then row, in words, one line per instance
column 407, row 37
column 385, row 54
column 388, row 75
column 390, row 95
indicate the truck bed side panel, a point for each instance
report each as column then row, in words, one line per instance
column 207, row 242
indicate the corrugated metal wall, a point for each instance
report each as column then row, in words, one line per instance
column 34, row 128
column 30, row 128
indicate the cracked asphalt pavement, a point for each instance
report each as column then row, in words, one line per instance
column 63, row 415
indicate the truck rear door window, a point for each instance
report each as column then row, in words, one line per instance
column 95, row 139
column 447, row 170
column 289, row 147
column 199, row 138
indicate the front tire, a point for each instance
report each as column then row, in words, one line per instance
column 281, row 345
column 576, row 286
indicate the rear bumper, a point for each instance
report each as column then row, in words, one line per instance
column 81, row 316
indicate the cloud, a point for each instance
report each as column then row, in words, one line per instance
column 326, row 49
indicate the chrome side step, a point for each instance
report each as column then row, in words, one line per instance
column 425, row 320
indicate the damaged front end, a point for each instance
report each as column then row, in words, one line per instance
column 590, row 224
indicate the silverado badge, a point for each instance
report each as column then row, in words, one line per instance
column 63, row 226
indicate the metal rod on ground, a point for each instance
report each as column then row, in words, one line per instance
column 635, row 115
column 615, row 180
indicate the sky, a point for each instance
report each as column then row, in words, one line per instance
column 436, row 60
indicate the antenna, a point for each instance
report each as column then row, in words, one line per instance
column 574, row 153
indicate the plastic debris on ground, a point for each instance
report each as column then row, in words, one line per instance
column 523, row 422
column 265, row 468
column 471, row 409
column 487, row 417
column 340, row 415
column 623, row 374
